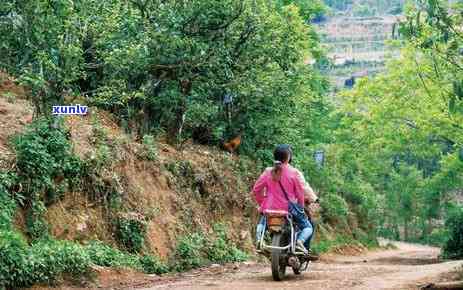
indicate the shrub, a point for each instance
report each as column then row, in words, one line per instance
column 7, row 209
column 189, row 252
column 103, row 156
column 453, row 248
column 334, row 207
column 43, row 262
column 74, row 259
column 45, row 166
column 195, row 250
column 222, row 250
column 36, row 226
column 437, row 237
column 388, row 233
column 13, row 260
column 34, row 163
column 99, row 133
column 367, row 239
column 103, row 255
column 43, row 153
column 106, row 256
column 325, row 245
column 149, row 148
column 50, row 259
column 182, row 168
column 130, row 232
column 321, row 246
column 47, row 260
column 152, row 265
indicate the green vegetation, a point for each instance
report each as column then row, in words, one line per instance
column 7, row 205
column 198, row 249
column 149, row 148
column 46, row 169
column 189, row 251
column 334, row 207
column 222, row 249
column 165, row 68
column 47, row 261
column 326, row 245
column 209, row 71
column 104, row 255
column 404, row 133
column 453, row 247
column 130, row 232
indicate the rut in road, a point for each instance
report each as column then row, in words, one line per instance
column 403, row 268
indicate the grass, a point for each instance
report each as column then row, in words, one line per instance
column 326, row 245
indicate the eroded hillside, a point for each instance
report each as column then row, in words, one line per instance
column 174, row 190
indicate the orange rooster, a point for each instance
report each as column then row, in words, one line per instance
column 232, row 145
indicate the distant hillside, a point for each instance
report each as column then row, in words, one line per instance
column 356, row 46
column 355, row 35
column 366, row 7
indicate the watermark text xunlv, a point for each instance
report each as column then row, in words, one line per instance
column 70, row 110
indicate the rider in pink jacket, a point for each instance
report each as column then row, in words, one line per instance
column 270, row 196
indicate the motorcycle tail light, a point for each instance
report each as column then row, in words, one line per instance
column 275, row 221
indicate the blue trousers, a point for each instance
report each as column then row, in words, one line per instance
column 306, row 228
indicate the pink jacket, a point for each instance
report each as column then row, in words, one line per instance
column 269, row 195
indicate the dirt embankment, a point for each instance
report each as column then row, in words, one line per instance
column 15, row 113
column 176, row 192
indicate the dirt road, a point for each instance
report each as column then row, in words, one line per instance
column 403, row 268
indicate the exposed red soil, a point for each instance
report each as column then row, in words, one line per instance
column 15, row 113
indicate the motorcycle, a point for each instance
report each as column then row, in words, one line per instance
column 278, row 243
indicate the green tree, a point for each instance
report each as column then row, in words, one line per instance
column 41, row 43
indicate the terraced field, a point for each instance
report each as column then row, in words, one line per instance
column 357, row 46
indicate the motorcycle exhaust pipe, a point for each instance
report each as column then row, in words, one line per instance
column 294, row 262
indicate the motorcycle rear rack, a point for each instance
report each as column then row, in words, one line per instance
column 291, row 245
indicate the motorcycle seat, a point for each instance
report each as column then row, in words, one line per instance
column 276, row 213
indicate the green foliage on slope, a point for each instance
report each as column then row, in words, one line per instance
column 198, row 249
column 453, row 247
column 45, row 164
column 168, row 65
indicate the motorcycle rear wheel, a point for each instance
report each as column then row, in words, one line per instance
column 278, row 263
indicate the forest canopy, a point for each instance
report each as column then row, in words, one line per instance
column 169, row 65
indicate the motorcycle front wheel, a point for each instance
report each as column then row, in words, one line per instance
column 278, row 261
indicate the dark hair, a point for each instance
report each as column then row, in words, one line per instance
column 281, row 154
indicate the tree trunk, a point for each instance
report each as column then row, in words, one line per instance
column 406, row 230
column 177, row 126
column 396, row 229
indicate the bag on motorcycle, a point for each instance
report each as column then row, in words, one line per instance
column 295, row 209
